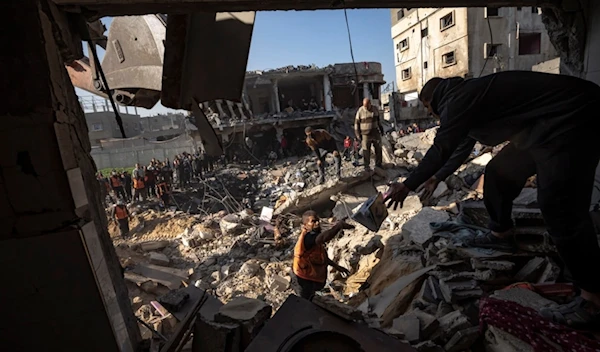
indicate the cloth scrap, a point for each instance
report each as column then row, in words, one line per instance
column 526, row 324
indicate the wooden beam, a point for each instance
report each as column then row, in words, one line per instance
column 99, row 8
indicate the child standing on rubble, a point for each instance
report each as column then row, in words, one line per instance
column 310, row 255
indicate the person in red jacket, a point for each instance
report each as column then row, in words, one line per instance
column 284, row 146
column 347, row 148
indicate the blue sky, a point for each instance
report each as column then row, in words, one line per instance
column 284, row 38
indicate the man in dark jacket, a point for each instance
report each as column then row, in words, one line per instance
column 321, row 143
column 551, row 122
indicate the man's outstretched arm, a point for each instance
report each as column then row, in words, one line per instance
column 459, row 156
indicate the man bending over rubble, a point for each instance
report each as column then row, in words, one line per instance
column 551, row 122
column 310, row 254
column 321, row 139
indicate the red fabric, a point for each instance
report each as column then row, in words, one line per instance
column 526, row 324
column 347, row 143
column 283, row 142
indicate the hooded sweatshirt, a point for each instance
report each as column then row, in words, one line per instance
column 526, row 108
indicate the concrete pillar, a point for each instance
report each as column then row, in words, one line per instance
column 328, row 93
column 366, row 92
column 60, row 270
column 275, row 96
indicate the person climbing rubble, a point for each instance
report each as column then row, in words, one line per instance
column 121, row 215
column 321, row 139
column 550, row 121
column 310, row 255
column 367, row 127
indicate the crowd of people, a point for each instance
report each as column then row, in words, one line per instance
column 156, row 179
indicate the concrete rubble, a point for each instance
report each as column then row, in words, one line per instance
column 415, row 279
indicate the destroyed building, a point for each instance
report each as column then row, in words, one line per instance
column 284, row 101
column 464, row 42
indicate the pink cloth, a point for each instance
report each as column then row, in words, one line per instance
column 526, row 324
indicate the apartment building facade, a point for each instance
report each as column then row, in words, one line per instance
column 465, row 42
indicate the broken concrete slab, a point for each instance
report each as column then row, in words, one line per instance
column 174, row 300
column 462, row 340
column 342, row 310
column 168, row 277
column 409, row 326
column 453, row 322
column 550, row 273
column 455, row 291
column 428, row 346
column 249, row 268
column 500, row 265
column 278, row 282
column 440, row 190
column 250, row 313
column 153, row 245
column 418, row 230
column 159, row 258
column 531, row 271
column 216, row 337
column 428, row 323
column 524, row 297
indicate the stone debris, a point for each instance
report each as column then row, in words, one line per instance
column 159, row 259
column 416, row 278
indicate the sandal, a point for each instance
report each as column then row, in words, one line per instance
column 488, row 240
column 579, row 313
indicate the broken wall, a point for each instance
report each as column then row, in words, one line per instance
column 61, row 274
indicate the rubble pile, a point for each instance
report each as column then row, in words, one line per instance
column 417, row 278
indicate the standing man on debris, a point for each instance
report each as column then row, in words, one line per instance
column 551, row 123
column 117, row 185
column 321, row 139
column 139, row 187
column 121, row 215
column 127, row 184
column 367, row 128
column 310, row 255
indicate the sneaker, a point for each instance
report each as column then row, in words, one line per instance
column 489, row 241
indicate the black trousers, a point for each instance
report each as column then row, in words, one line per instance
column 123, row 227
column 565, row 169
column 120, row 192
column 308, row 287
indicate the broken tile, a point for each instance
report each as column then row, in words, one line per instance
column 462, row 340
column 453, row 322
column 531, row 271
column 409, row 326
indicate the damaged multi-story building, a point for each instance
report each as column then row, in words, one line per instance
column 286, row 100
column 464, row 42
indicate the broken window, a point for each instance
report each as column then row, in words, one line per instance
column 490, row 50
column 406, row 74
column 403, row 44
column 519, row 8
column 424, row 32
column 97, row 127
column 447, row 21
column 530, row 43
column 425, row 65
column 448, row 59
column 399, row 15
column 492, row 11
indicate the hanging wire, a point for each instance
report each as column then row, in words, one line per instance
column 92, row 47
column 351, row 47
column 487, row 56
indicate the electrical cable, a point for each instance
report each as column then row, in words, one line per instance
column 105, row 83
column 351, row 48
column 491, row 46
